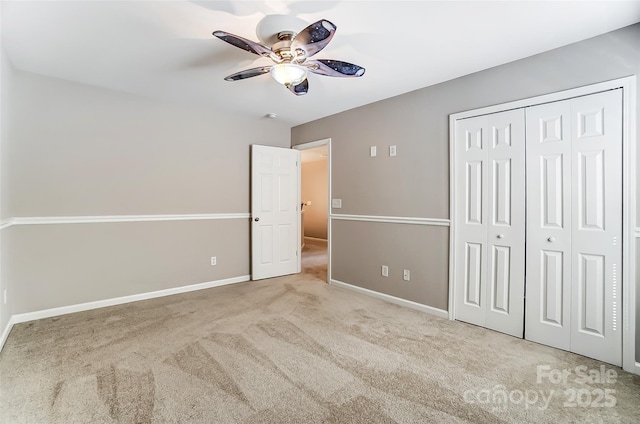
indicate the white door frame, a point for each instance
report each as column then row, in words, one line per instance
column 629, row 230
column 311, row 145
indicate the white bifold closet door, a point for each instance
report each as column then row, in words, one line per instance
column 574, row 225
column 490, row 217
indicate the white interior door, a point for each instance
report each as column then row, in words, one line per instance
column 275, row 216
column 574, row 241
column 490, row 232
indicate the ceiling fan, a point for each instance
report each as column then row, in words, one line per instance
column 290, row 55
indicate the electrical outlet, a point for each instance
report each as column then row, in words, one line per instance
column 336, row 203
column 385, row 271
column 406, row 276
column 4, row 295
column 214, row 261
column 392, row 150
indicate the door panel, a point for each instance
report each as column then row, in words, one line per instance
column 597, row 225
column 474, row 188
column 590, row 211
column 552, row 282
column 473, row 277
column 471, row 243
column 501, row 277
column 547, row 318
column 591, row 294
column 553, row 178
column 574, row 223
column 506, row 230
column 490, row 236
column 274, row 209
column 502, row 192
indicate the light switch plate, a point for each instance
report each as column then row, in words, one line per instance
column 372, row 151
column 336, row 203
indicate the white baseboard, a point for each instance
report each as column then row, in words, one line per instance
column 392, row 299
column 312, row 239
column 5, row 332
column 47, row 313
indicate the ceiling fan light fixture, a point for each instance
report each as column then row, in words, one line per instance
column 288, row 74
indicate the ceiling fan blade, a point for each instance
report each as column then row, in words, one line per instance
column 248, row 73
column 314, row 38
column 243, row 43
column 334, row 68
column 300, row 89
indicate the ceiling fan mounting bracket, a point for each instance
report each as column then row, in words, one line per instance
column 285, row 35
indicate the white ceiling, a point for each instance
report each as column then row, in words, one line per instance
column 165, row 49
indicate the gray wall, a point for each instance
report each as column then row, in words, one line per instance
column 57, row 265
column 76, row 150
column 416, row 182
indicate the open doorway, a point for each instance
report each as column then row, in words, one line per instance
column 314, row 191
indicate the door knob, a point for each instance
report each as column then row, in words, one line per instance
column 257, row 219
column 500, row 236
column 551, row 239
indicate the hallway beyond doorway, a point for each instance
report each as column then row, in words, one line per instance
column 315, row 258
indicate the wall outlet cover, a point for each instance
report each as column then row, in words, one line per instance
column 214, row 261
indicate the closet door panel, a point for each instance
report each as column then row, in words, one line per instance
column 471, row 216
column 548, row 285
column 596, row 122
column 490, row 210
column 506, row 227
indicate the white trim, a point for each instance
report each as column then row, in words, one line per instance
column 629, row 305
column 311, row 145
column 452, row 214
column 46, row 220
column 546, row 98
column 392, row 219
column 5, row 332
column 392, row 299
column 629, row 231
column 47, row 313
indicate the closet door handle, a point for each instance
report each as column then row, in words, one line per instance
column 500, row 236
column 551, row 239
column 256, row 219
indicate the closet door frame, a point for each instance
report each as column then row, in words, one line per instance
column 629, row 230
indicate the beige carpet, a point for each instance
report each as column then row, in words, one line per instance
column 291, row 350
